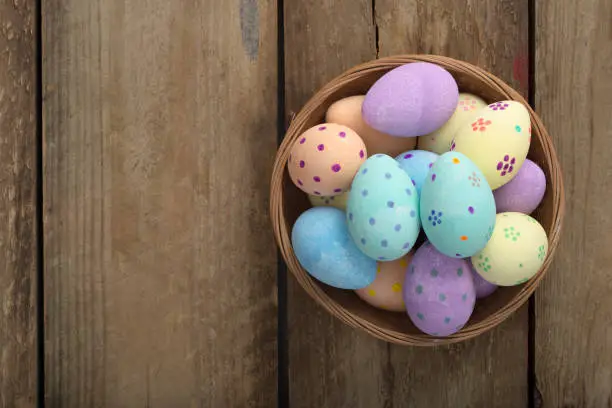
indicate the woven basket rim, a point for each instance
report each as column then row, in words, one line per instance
column 314, row 288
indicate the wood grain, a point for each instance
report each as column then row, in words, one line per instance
column 160, row 134
column 574, row 98
column 333, row 365
column 18, row 145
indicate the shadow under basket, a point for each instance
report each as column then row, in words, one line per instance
column 287, row 202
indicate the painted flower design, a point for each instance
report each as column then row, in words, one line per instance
column 467, row 105
column 541, row 252
column 435, row 218
column 506, row 166
column 480, row 125
column 483, row 262
column 474, row 179
column 510, row 233
column 499, row 106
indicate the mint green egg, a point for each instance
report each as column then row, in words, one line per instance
column 457, row 206
column 383, row 209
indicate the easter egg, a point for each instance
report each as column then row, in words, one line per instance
column 338, row 201
column 515, row 252
column 347, row 112
column 439, row 141
column 497, row 140
column 325, row 158
column 524, row 192
column 457, row 206
column 325, row 250
column 382, row 209
column 386, row 290
column 482, row 287
column 438, row 292
column 417, row 164
column 411, row 100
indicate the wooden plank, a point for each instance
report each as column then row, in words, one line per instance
column 160, row 134
column 574, row 99
column 333, row 365
column 18, row 365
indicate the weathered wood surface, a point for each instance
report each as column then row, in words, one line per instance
column 18, row 353
column 574, row 97
column 332, row 365
column 160, row 134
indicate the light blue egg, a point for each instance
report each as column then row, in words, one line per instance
column 417, row 164
column 382, row 209
column 325, row 250
column 457, row 206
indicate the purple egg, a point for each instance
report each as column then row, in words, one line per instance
column 483, row 288
column 524, row 192
column 438, row 292
column 411, row 100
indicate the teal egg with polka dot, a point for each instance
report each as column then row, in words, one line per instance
column 457, row 206
column 382, row 209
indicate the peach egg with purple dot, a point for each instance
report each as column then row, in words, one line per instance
column 386, row 291
column 324, row 159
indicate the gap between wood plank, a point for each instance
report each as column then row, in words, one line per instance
column 40, row 249
column 281, row 274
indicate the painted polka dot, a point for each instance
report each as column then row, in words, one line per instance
column 364, row 193
column 409, row 191
column 317, row 179
column 447, row 320
column 372, row 221
column 420, row 316
column 458, row 255
column 337, row 190
column 382, row 258
column 390, row 204
column 351, row 216
column 460, row 272
column 407, row 156
column 321, row 147
column 300, row 182
column 361, row 154
column 517, row 128
column 302, row 163
column 464, row 238
column 412, row 213
column 342, row 134
column 433, row 177
column 316, row 193
column 434, row 273
column 372, row 292
column 430, row 164
column 456, row 160
column 406, row 245
column 442, row 297
column 403, row 263
column 364, row 171
column 464, row 297
column 322, row 127
column 384, row 243
column 471, row 210
column 413, row 183
column 387, row 175
column 336, row 168
column 397, row 227
column 363, row 241
column 396, row 287
column 419, row 288
column 302, row 140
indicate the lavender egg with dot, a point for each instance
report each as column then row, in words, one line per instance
column 385, row 222
column 438, row 291
column 524, row 192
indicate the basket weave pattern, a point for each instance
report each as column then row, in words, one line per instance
column 287, row 202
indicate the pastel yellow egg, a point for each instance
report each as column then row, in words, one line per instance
column 338, row 201
column 439, row 141
column 386, row 290
column 515, row 252
column 347, row 112
column 497, row 140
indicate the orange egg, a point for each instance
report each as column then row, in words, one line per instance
column 386, row 290
column 325, row 158
column 347, row 112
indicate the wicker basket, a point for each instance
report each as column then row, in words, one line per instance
column 287, row 202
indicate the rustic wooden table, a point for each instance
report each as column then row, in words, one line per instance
column 138, row 266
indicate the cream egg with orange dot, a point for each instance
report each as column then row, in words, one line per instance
column 386, row 291
column 324, row 159
column 439, row 141
column 347, row 112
